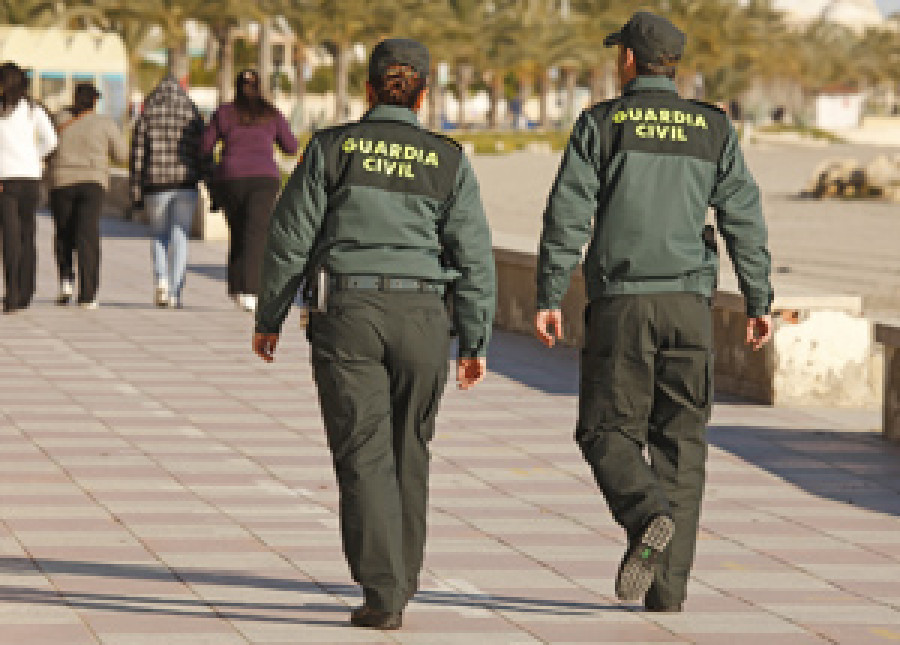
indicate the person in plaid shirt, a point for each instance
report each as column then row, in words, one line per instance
column 165, row 168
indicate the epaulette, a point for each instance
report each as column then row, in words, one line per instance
column 446, row 138
column 711, row 106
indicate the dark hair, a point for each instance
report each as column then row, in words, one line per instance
column 401, row 85
column 85, row 99
column 251, row 105
column 664, row 67
column 13, row 86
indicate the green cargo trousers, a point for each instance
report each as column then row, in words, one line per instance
column 646, row 384
column 380, row 366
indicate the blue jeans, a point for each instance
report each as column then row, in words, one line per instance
column 171, row 214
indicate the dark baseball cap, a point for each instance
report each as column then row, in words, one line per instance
column 652, row 38
column 398, row 51
column 87, row 90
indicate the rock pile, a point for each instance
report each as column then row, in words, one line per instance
column 848, row 178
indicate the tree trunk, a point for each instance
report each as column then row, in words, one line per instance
column 341, row 82
column 225, row 73
column 434, row 101
column 611, row 81
column 544, row 89
column 571, row 78
column 179, row 63
column 496, row 96
column 596, row 85
column 265, row 57
column 526, row 86
column 463, row 81
column 300, row 85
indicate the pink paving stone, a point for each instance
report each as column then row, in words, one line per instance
column 204, row 545
column 757, row 639
column 835, row 597
column 425, row 620
column 92, row 554
column 850, row 554
column 602, row 631
column 74, row 634
column 166, row 620
column 858, row 634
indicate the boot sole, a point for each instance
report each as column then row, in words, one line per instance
column 639, row 564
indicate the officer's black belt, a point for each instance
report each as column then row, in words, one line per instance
column 383, row 283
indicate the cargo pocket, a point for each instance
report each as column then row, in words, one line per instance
column 684, row 376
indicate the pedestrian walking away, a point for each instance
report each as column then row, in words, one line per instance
column 26, row 138
column 78, row 176
column 383, row 218
column 645, row 168
column 247, row 180
column 165, row 168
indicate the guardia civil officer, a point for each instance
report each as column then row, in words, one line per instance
column 384, row 216
column 637, row 178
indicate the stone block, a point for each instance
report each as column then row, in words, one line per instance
column 822, row 351
column 889, row 337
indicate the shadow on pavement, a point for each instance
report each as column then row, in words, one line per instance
column 523, row 359
column 212, row 271
column 856, row 468
column 137, row 603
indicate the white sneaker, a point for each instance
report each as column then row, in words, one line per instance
column 248, row 302
column 161, row 297
column 93, row 304
column 176, row 303
column 66, row 289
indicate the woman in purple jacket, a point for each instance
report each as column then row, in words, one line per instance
column 246, row 180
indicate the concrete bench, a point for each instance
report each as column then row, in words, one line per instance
column 889, row 337
column 822, row 352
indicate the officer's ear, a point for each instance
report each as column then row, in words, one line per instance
column 420, row 100
column 371, row 98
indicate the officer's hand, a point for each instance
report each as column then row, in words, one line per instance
column 759, row 331
column 470, row 372
column 548, row 325
column 264, row 346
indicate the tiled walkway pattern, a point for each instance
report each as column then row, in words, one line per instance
column 161, row 486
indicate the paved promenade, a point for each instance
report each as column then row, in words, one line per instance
column 159, row 485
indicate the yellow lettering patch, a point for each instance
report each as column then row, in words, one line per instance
column 390, row 158
column 661, row 124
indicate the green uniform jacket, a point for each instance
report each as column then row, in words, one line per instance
column 644, row 168
column 383, row 196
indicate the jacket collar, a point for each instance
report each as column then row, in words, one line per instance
column 650, row 83
column 391, row 113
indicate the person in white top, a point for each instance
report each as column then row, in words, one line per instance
column 26, row 137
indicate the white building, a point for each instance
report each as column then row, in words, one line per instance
column 855, row 14
column 57, row 59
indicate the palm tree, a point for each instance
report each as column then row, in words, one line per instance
column 339, row 25
column 26, row 12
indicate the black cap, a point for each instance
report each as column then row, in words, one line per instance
column 652, row 38
column 398, row 51
column 87, row 90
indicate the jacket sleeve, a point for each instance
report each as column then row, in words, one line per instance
column 466, row 241
column 45, row 133
column 137, row 162
column 211, row 134
column 285, row 139
column 296, row 220
column 118, row 147
column 740, row 220
column 570, row 210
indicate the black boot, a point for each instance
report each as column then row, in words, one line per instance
column 365, row 616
